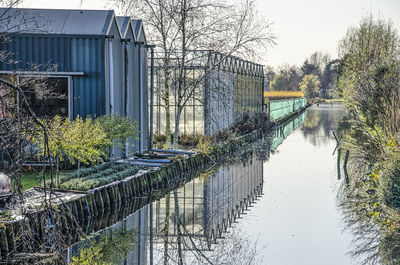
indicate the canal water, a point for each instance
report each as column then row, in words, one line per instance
column 274, row 203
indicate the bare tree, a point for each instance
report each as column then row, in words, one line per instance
column 17, row 120
column 179, row 27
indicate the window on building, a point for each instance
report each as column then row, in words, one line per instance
column 48, row 96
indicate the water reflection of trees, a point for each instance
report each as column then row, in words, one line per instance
column 320, row 121
column 195, row 230
column 191, row 224
column 194, row 221
column 371, row 244
column 365, row 243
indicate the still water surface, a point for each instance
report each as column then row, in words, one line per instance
column 274, row 205
column 297, row 219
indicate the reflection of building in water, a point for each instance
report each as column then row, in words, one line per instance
column 138, row 222
column 208, row 206
column 230, row 193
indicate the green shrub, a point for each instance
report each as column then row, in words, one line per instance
column 118, row 128
column 83, row 172
column 87, row 185
column 262, row 121
column 114, row 173
column 390, row 179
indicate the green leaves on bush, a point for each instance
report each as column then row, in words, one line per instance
column 77, row 140
column 118, row 128
column 85, row 140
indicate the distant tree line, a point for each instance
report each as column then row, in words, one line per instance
column 317, row 75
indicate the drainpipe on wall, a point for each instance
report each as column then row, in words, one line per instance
column 126, row 79
column 126, row 90
column 111, row 80
column 111, row 74
column 151, row 96
column 141, row 136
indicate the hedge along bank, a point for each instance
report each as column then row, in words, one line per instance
column 82, row 209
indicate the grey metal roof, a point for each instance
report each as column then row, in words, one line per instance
column 123, row 23
column 56, row 21
column 136, row 24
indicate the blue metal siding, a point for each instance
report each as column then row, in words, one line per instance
column 69, row 53
column 132, row 92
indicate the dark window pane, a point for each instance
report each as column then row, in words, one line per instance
column 47, row 97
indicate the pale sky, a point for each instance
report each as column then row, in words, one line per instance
column 302, row 26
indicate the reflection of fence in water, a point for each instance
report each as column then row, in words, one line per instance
column 208, row 208
column 283, row 131
column 229, row 194
column 132, row 214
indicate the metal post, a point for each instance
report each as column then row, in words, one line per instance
column 126, row 93
column 262, row 88
column 346, row 175
column 151, row 98
column 141, row 136
column 111, row 74
column 339, row 151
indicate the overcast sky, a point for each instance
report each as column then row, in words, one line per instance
column 302, row 26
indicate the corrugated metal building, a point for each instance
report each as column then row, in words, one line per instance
column 136, row 75
column 96, row 61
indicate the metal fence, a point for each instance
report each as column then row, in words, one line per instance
column 278, row 109
column 219, row 90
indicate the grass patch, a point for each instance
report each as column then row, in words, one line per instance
column 33, row 179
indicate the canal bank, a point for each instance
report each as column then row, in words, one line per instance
column 210, row 204
column 255, row 209
column 28, row 215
